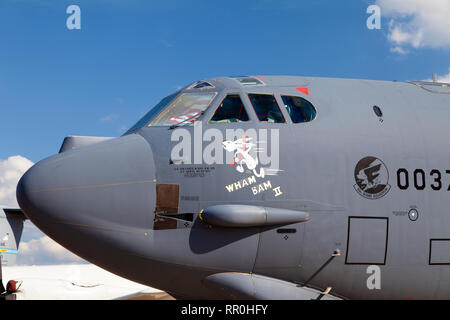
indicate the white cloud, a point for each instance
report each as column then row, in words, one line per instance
column 109, row 118
column 30, row 231
column 11, row 170
column 44, row 251
column 417, row 23
column 445, row 78
column 399, row 50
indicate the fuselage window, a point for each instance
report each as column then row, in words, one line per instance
column 299, row 109
column 230, row 110
column 186, row 109
column 266, row 108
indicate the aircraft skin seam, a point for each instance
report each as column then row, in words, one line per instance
column 100, row 228
column 196, row 267
column 257, row 250
column 95, row 186
column 158, row 260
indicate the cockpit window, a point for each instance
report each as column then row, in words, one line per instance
column 201, row 85
column 230, row 110
column 249, row 81
column 266, row 108
column 299, row 109
column 153, row 112
column 186, row 109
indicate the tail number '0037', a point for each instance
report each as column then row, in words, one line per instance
column 419, row 179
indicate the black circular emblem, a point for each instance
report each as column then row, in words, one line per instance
column 371, row 177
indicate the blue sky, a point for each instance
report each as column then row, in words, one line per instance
column 99, row 80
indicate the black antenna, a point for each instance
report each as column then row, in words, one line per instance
column 435, row 79
column 336, row 253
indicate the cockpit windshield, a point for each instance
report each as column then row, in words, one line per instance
column 187, row 108
column 153, row 112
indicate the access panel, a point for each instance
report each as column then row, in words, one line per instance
column 367, row 240
column 167, row 201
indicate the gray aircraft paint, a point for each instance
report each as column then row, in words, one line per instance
column 99, row 201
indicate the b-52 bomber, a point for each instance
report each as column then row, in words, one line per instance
column 263, row 187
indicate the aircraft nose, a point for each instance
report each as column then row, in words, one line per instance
column 108, row 185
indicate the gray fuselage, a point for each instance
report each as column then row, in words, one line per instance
column 375, row 188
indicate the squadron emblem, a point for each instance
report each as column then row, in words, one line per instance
column 372, row 177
